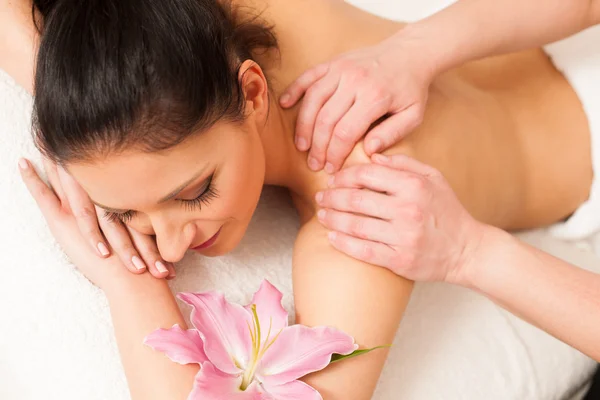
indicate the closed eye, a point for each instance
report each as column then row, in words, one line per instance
column 208, row 194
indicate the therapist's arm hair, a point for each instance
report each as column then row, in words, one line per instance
column 553, row 295
column 472, row 29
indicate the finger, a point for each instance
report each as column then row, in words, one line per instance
column 357, row 201
column 405, row 163
column 52, row 173
column 85, row 213
column 353, row 126
column 146, row 245
column 358, row 226
column 379, row 178
column 296, row 90
column 45, row 198
column 327, row 119
column 315, row 98
column 364, row 250
column 393, row 129
column 122, row 244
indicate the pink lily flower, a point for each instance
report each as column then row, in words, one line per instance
column 249, row 353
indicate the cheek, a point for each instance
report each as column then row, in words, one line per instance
column 243, row 178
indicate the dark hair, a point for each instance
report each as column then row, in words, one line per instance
column 150, row 73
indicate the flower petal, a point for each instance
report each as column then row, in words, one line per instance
column 300, row 350
column 212, row 384
column 181, row 346
column 269, row 309
column 223, row 327
column 294, row 390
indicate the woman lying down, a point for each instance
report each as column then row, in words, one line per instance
column 166, row 113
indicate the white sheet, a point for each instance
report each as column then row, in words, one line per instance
column 56, row 339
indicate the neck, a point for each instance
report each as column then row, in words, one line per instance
column 285, row 165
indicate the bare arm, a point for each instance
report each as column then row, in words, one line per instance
column 473, row 29
column 139, row 305
column 553, row 295
column 364, row 301
column 18, row 38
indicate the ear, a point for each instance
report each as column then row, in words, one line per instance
column 256, row 92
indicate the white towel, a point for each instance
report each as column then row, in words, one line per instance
column 56, row 340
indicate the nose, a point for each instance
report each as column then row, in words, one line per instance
column 172, row 240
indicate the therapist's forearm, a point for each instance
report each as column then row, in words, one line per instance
column 473, row 29
column 553, row 295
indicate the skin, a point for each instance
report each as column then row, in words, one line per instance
column 397, row 71
column 499, row 153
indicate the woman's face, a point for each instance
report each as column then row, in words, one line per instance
column 200, row 194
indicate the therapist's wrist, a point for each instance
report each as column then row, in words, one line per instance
column 412, row 43
column 487, row 254
column 430, row 47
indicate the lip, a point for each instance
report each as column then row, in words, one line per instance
column 208, row 243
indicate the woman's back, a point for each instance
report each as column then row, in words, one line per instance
column 508, row 132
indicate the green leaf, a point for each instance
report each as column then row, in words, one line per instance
column 356, row 353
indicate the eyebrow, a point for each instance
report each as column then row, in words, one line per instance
column 168, row 197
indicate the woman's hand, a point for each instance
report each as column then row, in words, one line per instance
column 64, row 226
column 344, row 97
column 138, row 252
column 402, row 215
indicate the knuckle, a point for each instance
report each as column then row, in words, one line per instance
column 414, row 213
column 366, row 252
column 360, row 73
column 325, row 120
column 415, row 185
column 364, row 174
column 343, row 133
column 356, row 228
column 381, row 93
column 356, row 199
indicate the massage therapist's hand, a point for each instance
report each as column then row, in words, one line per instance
column 138, row 252
column 402, row 215
column 345, row 96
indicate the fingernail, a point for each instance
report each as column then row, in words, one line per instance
column 23, row 164
column 332, row 235
column 301, row 144
column 329, row 168
column 321, row 214
column 374, row 146
column 319, row 197
column 380, row 158
column 138, row 263
column 331, row 181
column 313, row 164
column 161, row 267
column 103, row 249
column 285, row 99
